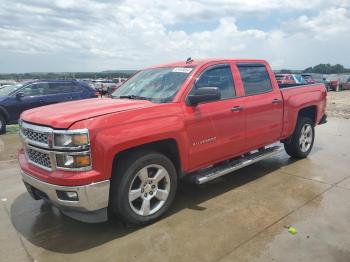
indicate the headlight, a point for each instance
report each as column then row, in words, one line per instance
column 71, row 139
column 74, row 161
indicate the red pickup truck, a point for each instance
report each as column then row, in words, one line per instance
column 198, row 120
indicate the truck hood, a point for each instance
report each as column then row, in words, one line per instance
column 63, row 115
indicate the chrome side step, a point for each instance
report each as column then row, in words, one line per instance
column 208, row 174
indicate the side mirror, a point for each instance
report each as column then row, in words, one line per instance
column 19, row 96
column 204, row 94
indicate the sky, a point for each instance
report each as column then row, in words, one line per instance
column 91, row 35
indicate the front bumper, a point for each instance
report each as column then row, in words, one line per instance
column 90, row 206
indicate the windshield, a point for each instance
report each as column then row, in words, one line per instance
column 158, row 85
column 8, row 90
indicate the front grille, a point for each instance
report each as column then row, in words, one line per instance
column 36, row 136
column 39, row 158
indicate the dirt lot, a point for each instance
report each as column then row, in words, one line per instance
column 240, row 217
column 338, row 104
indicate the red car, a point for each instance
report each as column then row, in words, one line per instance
column 309, row 78
column 346, row 84
column 195, row 120
column 340, row 83
column 290, row 79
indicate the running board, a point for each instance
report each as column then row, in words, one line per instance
column 210, row 173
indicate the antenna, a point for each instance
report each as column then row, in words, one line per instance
column 189, row 60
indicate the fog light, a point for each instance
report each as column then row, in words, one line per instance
column 67, row 195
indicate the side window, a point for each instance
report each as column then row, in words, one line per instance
column 220, row 77
column 38, row 89
column 256, row 79
column 59, row 88
column 75, row 88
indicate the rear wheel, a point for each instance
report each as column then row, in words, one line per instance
column 2, row 125
column 143, row 187
column 302, row 140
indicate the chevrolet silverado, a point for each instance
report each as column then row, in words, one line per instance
column 123, row 156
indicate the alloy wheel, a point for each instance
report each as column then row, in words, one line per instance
column 306, row 136
column 149, row 190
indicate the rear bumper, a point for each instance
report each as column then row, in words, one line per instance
column 323, row 120
column 89, row 206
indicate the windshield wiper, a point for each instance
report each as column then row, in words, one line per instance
column 134, row 97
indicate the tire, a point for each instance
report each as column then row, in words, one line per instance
column 2, row 125
column 301, row 142
column 137, row 195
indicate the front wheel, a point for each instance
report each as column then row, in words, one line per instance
column 302, row 140
column 143, row 187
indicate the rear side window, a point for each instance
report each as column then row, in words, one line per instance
column 75, row 87
column 256, row 79
column 59, row 88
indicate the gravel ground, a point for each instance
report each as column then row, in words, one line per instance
column 338, row 104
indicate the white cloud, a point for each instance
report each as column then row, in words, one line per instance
column 329, row 22
column 98, row 35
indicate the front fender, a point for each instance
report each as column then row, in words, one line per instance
column 118, row 139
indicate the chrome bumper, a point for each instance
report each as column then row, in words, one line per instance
column 91, row 205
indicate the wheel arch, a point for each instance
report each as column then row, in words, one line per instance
column 310, row 112
column 167, row 147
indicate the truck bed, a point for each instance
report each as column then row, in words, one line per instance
column 302, row 96
column 282, row 86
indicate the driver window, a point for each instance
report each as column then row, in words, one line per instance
column 35, row 89
column 220, row 77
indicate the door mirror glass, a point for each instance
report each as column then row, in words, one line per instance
column 204, row 94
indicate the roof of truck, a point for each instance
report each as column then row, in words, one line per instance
column 200, row 62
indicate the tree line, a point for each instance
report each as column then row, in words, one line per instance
column 319, row 69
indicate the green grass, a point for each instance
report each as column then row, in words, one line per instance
column 12, row 129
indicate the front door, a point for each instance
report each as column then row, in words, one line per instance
column 33, row 96
column 215, row 130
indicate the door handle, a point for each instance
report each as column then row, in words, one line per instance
column 41, row 101
column 236, row 108
column 276, row 101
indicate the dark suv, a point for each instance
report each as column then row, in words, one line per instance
column 15, row 99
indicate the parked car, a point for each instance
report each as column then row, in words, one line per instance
column 195, row 120
column 15, row 99
column 111, row 89
column 345, row 85
column 102, row 85
column 339, row 82
column 312, row 78
column 290, row 79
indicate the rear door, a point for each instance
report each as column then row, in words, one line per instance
column 55, row 93
column 215, row 130
column 77, row 92
column 263, row 105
